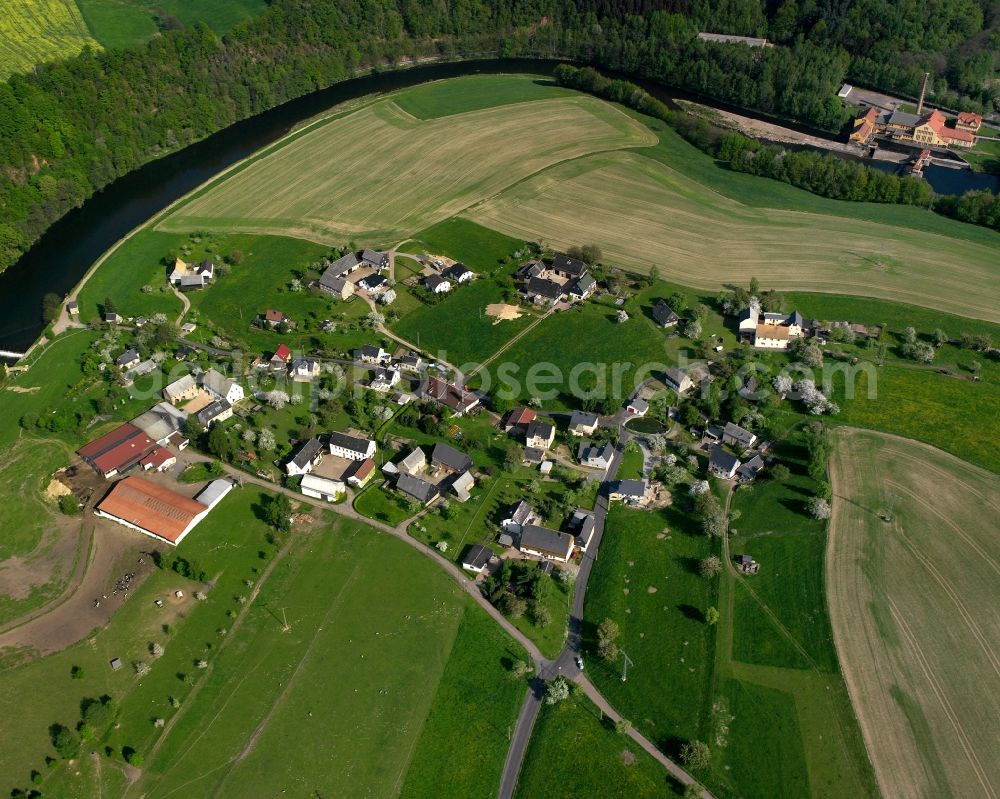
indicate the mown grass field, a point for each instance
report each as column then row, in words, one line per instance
column 360, row 691
column 442, row 98
column 34, row 31
column 587, row 334
column 458, row 328
column 613, row 762
column 387, row 174
column 644, row 213
column 913, row 605
column 126, row 23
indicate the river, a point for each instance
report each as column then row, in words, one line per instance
column 61, row 257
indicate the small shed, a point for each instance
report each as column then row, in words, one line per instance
column 116, row 663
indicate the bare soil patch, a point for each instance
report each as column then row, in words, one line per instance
column 501, row 312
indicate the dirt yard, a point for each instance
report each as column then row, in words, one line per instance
column 500, row 312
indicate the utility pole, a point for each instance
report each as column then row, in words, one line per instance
column 284, row 627
column 626, row 662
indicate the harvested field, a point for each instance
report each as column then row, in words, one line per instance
column 380, row 174
column 643, row 213
column 913, row 605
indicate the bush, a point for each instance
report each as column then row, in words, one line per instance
column 69, row 504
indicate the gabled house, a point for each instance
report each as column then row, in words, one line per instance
column 567, row 267
column 218, row 411
column 304, row 369
column 281, row 358
column 410, row 362
column 477, row 558
column 274, row 318
column 457, row 399
column 539, row 435
column 581, row 288
column 112, row 318
column 307, row 456
column 221, row 387
column 545, row 543
column 664, row 315
column 161, row 421
column 450, row 459
column 73, row 308
column 722, row 464
column 371, row 354
column 519, row 419
column 374, row 283
column 735, row 436
column 436, row 284
column 361, row 473
column 337, row 287
column 637, row 407
column 678, row 380
column 420, row 490
column 322, row 487
column 181, row 390
column 374, row 259
column 414, row 463
column 540, row 290
column 160, row 459
column 334, row 275
column 747, row 472
column 461, row 485
column 631, row 492
column 128, row 359
column 583, row 525
column 384, row 378
column 593, row 456
column 458, row 273
column 517, row 516
column 351, row 447
column 582, row 423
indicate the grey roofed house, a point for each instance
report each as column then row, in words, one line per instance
column 630, row 489
column 457, row 271
column 217, row 383
column 450, row 458
column 572, row 267
column 433, row 281
column 369, row 352
column 505, row 540
column 903, row 118
column 211, row 412
column 518, row 514
column 548, row 542
column 129, row 356
column 749, row 470
column 734, row 435
column 461, row 485
column 374, row 258
column 477, row 557
column 161, row 421
column 533, row 455
column 344, row 265
column 350, row 443
column 539, row 429
column 416, row 461
column 794, row 318
column 307, row 454
column 373, row 282
column 721, row 463
column 546, row 289
column 593, row 456
column 582, row 286
column 664, row 315
column 677, row 379
column 530, row 269
column 420, row 490
column 582, row 525
column 583, row 421
column 638, row 406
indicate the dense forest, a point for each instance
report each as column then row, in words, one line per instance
column 69, row 128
